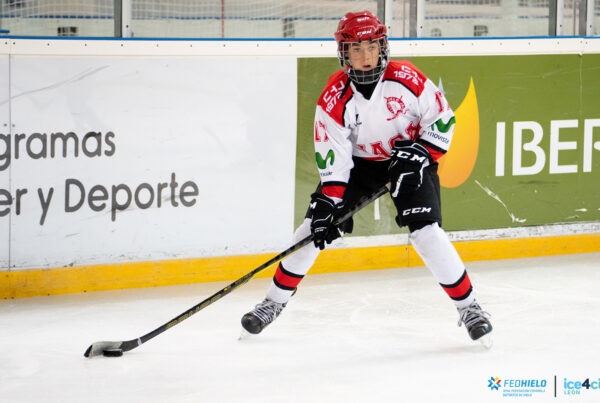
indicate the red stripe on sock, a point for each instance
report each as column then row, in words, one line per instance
column 334, row 191
column 285, row 279
column 459, row 290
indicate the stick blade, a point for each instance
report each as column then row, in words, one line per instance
column 99, row 347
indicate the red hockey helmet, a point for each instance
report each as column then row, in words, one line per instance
column 356, row 28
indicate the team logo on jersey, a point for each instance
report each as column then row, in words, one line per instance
column 395, row 106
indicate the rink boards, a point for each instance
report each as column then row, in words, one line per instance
column 30, row 283
column 145, row 163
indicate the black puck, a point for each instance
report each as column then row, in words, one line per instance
column 117, row 352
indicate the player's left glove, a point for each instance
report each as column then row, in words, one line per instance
column 324, row 212
column 406, row 168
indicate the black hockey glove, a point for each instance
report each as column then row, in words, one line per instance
column 406, row 168
column 324, row 212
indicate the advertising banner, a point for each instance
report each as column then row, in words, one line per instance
column 115, row 159
column 526, row 147
column 4, row 180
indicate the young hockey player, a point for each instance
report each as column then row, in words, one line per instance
column 377, row 121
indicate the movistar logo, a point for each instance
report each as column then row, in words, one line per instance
column 443, row 127
column 322, row 162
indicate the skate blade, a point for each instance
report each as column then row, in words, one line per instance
column 486, row 341
column 244, row 334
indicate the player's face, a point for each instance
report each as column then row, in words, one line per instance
column 364, row 56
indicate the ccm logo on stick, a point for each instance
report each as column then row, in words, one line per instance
column 416, row 210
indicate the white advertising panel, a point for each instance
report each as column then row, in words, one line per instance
column 147, row 158
column 5, row 195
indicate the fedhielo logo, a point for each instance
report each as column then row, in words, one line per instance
column 494, row 383
column 518, row 387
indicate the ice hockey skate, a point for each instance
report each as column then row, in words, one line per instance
column 261, row 316
column 477, row 323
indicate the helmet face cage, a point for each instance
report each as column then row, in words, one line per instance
column 356, row 28
column 359, row 76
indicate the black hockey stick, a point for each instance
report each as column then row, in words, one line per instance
column 116, row 348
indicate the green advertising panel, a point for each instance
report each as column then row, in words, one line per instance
column 526, row 147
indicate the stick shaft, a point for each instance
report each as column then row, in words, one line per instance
column 131, row 344
column 244, row 279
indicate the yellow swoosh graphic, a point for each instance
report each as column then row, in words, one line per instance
column 458, row 163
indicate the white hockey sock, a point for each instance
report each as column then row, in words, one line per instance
column 440, row 257
column 293, row 268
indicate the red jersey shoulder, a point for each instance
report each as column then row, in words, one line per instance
column 330, row 100
column 407, row 74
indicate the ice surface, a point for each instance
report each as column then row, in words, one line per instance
column 373, row 336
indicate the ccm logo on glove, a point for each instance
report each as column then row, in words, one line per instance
column 410, row 156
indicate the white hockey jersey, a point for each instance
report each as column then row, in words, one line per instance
column 405, row 105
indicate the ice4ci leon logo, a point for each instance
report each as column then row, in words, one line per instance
column 571, row 387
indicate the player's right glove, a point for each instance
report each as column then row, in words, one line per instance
column 324, row 212
column 406, row 167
